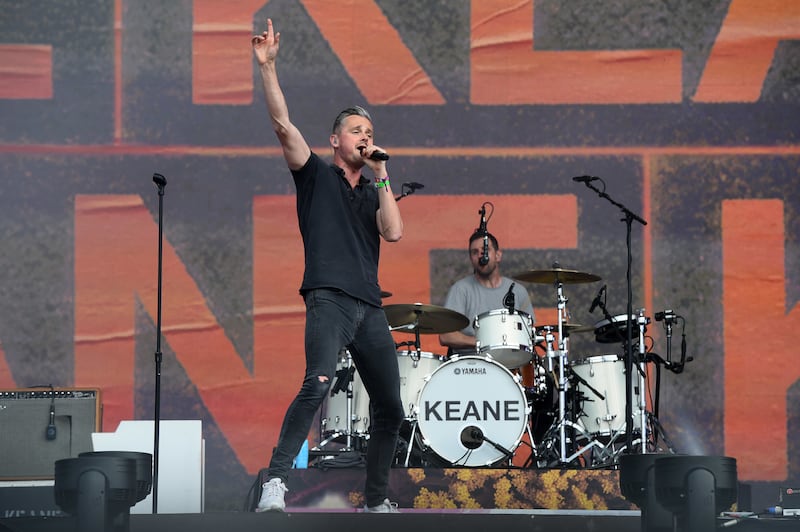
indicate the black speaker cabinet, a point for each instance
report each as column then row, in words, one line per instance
column 41, row 425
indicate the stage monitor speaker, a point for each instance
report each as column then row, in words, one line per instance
column 41, row 425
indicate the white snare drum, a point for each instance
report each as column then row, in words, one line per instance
column 468, row 401
column 333, row 416
column 414, row 368
column 505, row 337
column 606, row 374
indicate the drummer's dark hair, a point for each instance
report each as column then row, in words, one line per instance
column 479, row 234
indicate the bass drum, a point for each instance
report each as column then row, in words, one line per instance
column 472, row 412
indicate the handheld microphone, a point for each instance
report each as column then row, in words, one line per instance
column 484, row 260
column 377, row 155
column 585, row 178
column 598, row 299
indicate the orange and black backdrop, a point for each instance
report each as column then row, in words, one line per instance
column 688, row 111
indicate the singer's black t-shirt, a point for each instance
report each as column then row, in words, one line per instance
column 339, row 229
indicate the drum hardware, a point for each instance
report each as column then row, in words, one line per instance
column 419, row 319
column 558, row 277
column 345, row 377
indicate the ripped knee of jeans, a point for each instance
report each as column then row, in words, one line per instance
column 319, row 385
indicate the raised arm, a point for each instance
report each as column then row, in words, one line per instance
column 295, row 148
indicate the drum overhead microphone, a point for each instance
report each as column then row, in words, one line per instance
column 509, row 299
column 598, row 299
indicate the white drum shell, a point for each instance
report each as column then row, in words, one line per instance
column 606, row 374
column 333, row 416
column 505, row 337
column 414, row 368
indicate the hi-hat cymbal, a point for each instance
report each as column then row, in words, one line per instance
column 427, row 319
column 556, row 275
column 568, row 328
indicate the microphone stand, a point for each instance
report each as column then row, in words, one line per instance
column 628, row 219
column 161, row 183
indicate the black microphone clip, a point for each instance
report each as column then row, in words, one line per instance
column 50, row 431
column 585, row 178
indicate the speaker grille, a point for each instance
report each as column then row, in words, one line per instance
column 27, row 453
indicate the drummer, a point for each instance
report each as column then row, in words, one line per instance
column 483, row 291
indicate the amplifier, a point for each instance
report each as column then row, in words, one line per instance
column 39, row 426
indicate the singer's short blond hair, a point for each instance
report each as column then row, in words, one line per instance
column 356, row 110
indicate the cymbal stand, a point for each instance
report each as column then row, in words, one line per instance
column 415, row 360
column 642, row 321
column 561, row 354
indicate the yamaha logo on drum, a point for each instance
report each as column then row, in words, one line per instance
column 470, row 371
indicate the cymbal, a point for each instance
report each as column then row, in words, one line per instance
column 427, row 319
column 385, row 294
column 569, row 328
column 556, row 275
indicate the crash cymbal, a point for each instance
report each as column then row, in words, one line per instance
column 426, row 319
column 569, row 328
column 385, row 294
column 556, row 275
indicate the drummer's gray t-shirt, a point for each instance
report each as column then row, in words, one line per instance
column 471, row 299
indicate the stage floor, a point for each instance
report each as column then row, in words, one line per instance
column 416, row 520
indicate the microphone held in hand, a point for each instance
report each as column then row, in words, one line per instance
column 376, row 155
column 598, row 299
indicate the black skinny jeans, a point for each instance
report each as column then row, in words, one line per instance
column 335, row 320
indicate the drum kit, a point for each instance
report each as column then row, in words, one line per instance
column 474, row 410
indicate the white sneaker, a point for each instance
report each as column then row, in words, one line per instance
column 386, row 507
column 272, row 493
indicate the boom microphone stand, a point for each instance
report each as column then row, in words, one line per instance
column 628, row 219
column 161, row 183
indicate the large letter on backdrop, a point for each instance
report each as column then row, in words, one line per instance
column 759, row 349
column 386, row 72
column 505, row 69
column 111, row 272
column 745, row 47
